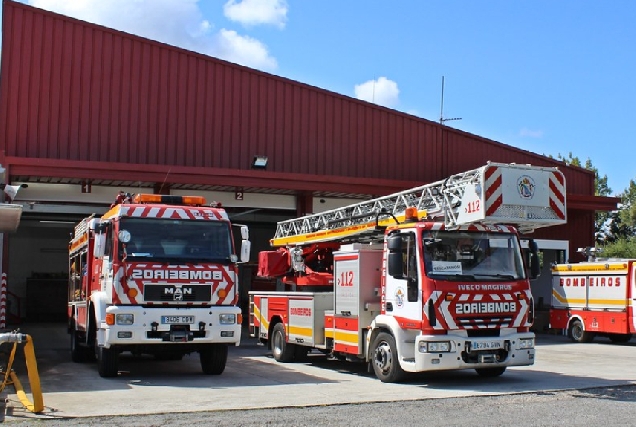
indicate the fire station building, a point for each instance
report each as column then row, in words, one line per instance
column 87, row 111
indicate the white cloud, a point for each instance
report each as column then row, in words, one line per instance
column 381, row 91
column 529, row 133
column 244, row 50
column 176, row 22
column 255, row 12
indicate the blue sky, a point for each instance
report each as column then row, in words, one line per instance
column 551, row 77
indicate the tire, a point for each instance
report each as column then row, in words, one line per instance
column 80, row 353
column 107, row 362
column 491, row 372
column 578, row 334
column 282, row 350
column 620, row 338
column 385, row 361
column 213, row 358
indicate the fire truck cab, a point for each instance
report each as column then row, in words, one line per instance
column 155, row 275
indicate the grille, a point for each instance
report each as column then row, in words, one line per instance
column 172, row 293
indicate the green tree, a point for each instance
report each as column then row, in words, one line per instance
column 615, row 232
column 601, row 188
column 625, row 247
column 622, row 227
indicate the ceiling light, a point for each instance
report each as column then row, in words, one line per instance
column 259, row 162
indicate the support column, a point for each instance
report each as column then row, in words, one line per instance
column 3, row 284
column 4, row 259
column 304, row 203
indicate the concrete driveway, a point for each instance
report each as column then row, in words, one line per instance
column 253, row 379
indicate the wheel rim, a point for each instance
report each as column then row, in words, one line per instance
column 383, row 357
column 577, row 331
column 278, row 343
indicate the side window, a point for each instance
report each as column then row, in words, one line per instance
column 409, row 254
column 108, row 251
column 74, row 278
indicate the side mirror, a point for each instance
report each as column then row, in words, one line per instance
column 100, row 245
column 245, row 232
column 396, row 265
column 246, row 247
column 394, row 243
column 535, row 267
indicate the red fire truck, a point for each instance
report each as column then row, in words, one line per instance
column 432, row 278
column 155, row 275
column 595, row 298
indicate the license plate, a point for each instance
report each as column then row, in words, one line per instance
column 485, row 345
column 177, row 320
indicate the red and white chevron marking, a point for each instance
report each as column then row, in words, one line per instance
column 151, row 211
column 557, row 194
column 222, row 277
column 3, row 302
column 494, row 191
column 449, row 319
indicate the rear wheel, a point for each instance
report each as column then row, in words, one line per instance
column 578, row 334
column 213, row 358
column 491, row 372
column 386, row 364
column 80, row 353
column 283, row 351
column 107, row 362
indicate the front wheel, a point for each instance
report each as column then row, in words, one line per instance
column 578, row 334
column 385, row 362
column 213, row 358
column 107, row 362
column 490, row 372
column 283, row 351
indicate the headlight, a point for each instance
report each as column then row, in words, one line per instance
column 526, row 343
column 434, row 347
column 227, row 319
column 125, row 319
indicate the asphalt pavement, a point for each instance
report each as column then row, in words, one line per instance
column 253, row 380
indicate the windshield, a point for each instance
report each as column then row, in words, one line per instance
column 175, row 239
column 452, row 255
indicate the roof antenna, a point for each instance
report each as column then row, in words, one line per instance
column 442, row 120
column 165, row 179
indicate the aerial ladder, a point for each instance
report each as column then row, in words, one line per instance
column 524, row 196
column 479, row 195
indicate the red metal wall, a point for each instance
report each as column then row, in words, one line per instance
column 76, row 91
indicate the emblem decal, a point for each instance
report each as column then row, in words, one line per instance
column 526, row 187
column 399, row 297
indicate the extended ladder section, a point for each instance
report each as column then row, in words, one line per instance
column 528, row 197
column 80, row 235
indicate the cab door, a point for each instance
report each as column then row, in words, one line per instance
column 403, row 295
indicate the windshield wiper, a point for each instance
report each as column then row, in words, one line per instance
column 498, row 276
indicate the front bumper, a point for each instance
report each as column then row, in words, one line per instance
column 201, row 325
column 472, row 353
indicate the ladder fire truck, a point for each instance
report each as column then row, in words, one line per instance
column 594, row 298
column 431, row 278
column 155, row 275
